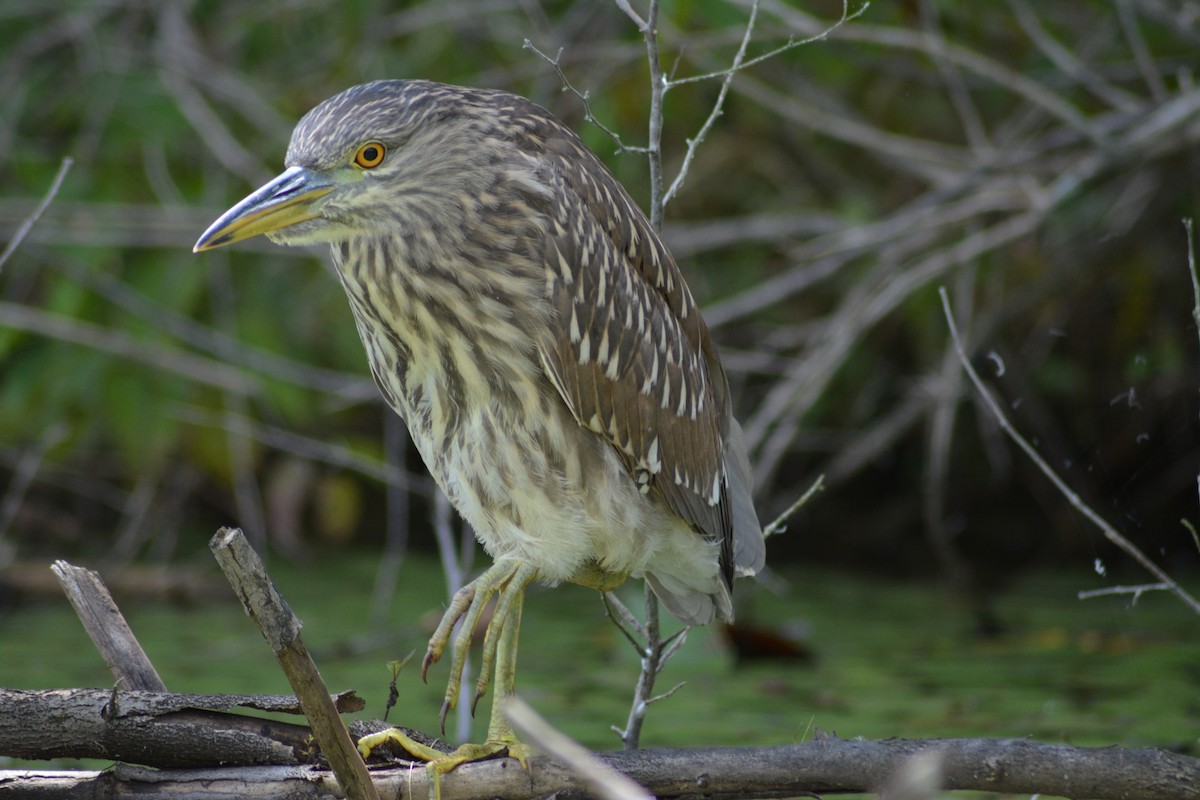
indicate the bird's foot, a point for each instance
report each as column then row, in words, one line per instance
column 418, row 750
column 506, row 580
column 440, row 763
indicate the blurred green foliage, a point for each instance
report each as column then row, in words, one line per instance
column 879, row 158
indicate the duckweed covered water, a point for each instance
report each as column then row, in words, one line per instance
column 889, row 659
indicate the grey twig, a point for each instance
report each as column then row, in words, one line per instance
column 779, row 524
column 717, row 108
column 1136, row 591
column 604, row 781
column 1074, row 499
column 1191, row 256
column 655, row 651
column 36, row 214
column 584, row 98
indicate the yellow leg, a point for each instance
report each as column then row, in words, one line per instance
column 508, row 581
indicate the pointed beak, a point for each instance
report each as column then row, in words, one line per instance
column 289, row 199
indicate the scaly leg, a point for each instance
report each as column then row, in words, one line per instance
column 508, row 580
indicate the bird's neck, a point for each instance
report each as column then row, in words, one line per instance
column 439, row 341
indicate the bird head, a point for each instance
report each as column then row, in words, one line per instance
column 376, row 158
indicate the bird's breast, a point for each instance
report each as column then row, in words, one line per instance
column 454, row 354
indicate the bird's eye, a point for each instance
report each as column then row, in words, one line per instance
column 369, row 155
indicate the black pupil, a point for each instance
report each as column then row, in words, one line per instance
column 370, row 154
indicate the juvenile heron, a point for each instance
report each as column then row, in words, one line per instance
column 522, row 316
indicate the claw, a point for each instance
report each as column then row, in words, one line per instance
column 508, row 581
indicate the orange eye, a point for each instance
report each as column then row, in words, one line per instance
column 370, row 155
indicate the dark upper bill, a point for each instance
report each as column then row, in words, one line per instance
column 286, row 200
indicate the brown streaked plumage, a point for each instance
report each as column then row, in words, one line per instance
column 521, row 315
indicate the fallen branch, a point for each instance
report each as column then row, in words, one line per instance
column 163, row 732
column 157, row 729
column 281, row 629
column 106, row 627
column 824, row 765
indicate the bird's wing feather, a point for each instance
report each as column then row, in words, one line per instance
column 630, row 355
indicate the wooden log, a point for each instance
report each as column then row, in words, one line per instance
column 827, row 765
column 281, row 629
column 107, row 628
column 154, row 728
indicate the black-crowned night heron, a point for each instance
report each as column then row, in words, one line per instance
column 522, row 316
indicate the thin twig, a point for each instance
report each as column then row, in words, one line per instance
column 790, row 44
column 1074, row 499
column 1136, row 591
column 717, row 108
column 957, row 90
column 28, row 223
column 1066, row 60
column 123, row 344
column 606, row 782
column 22, row 478
column 335, row 455
column 348, row 387
column 654, row 652
column 989, row 69
column 1192, row 528
column 1141, row 52
column 623, row 618
column 667, row 693
column 1191, row 256
column 584, row 98
column 779, row 524
column 633, row 15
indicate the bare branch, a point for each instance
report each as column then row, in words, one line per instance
column 1074, row 499
column 790, row 44
column 280, row 627
column 654, row 142
column 221, row 142
column 1070, row 64
column 584, row 98
column 23, row 474
column 1136, row 591
column 987, row 68
column 306, row 447
column 1192, row 270
column 36, row 214
column 1141, row 53
column 655, row 652
column 719, row 104
column 779, row 524
column 827, row 765
column 957, row 89
column 120, row 343
column 603, row 780
column 727, row 75
column 623, row 618
column 633, row 15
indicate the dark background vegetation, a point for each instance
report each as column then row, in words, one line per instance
column 1036, row 159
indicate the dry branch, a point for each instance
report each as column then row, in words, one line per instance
column 165, row 731
column 157, row 729
column 281, row 629
column 825, row 765
column 106, row 627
